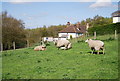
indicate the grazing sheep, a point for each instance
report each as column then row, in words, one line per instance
column 40, row 48
column 95, row 45
column 63, row 44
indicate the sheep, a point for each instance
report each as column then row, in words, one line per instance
column 68, row 47
column 95, row 45
column 63, row 44
column 40, row 48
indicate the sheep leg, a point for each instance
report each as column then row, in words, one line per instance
column 92, row 50
column 58, row 48
column 103, row 50
column 66, row 46
column 97, row 49
column 98, row 52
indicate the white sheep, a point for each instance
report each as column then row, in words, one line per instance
column 40, row 48
column 95, row 45
column 68, row 47
column 63, row 44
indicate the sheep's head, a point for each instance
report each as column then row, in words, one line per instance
column 43, row 47
column 55, row 42
column 88, row 40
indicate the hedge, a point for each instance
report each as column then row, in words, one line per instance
column 105, row 29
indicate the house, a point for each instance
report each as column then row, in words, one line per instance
column 116, row 16
column 49, row 39
column 72, row 31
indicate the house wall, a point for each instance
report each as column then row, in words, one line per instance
column 74, row 35
column 116, row 19
column 59, row 38
column 50, row 39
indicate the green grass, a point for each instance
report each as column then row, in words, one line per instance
column 76, row 63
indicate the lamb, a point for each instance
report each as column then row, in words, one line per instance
column 40, row 48
column 95, row 45
column 63, row 44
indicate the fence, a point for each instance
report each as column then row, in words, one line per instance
column 115, row 35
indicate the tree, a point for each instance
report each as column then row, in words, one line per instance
column 97, row 21
column 12, row 31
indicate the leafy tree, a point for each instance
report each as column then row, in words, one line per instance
column 97, row 21
column 12, row 31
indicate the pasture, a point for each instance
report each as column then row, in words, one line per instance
column 76, row 63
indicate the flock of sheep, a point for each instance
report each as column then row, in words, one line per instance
column 95, row 45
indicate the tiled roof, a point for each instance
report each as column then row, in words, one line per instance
column 74, row 29
column 116, row 13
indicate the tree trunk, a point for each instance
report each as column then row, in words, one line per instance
column 9, row 46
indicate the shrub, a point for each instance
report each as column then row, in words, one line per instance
column 71, row 37
column 105, row 29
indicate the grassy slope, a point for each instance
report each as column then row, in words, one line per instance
column 0, row 66
column 76, row 63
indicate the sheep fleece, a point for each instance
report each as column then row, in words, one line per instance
column 97, row 44
column 61, row 43
column 39, row 48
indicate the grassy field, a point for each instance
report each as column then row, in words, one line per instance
column 76, row 63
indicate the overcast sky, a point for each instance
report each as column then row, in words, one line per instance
column 37, row 14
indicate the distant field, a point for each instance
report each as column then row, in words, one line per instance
column 76, row 63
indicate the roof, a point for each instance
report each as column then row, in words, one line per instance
column 74, row 29
column 116, row 14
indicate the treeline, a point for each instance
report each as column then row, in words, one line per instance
column 36, row 35
column 105, row 29
column 97, row 21
column 13, row 30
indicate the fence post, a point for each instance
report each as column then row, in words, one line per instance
column 14, row 45
column 95, row 35
column 115, row 34
column 1, row 47
column 27, row 43
column 86, row 34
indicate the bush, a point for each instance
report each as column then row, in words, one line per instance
column 71, row 37
column 105, row 29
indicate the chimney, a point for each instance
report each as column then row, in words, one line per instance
column 87, row 26
column 78, row 24
column 68, row 24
